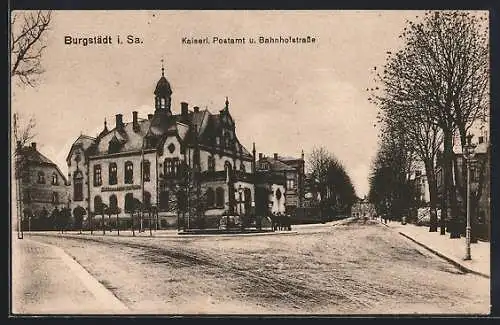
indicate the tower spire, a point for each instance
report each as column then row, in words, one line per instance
column 227, row 103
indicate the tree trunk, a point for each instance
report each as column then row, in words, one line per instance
column 446, row 168
column 431, row 180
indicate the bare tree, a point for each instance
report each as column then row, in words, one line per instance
column 23, row 130
column 441, row 72
column 27, row 43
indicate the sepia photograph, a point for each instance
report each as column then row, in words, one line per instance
column 250, row 162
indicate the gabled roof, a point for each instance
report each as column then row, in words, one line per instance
column 83, row 141
column 31, row 155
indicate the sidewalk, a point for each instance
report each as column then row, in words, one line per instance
column 45, row 280
column 452, row 250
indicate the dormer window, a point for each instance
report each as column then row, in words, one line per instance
column 55, row 180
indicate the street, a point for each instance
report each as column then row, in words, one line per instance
column 346, row 267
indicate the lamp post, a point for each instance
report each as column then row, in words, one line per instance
column 468, row 156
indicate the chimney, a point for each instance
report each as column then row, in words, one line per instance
column 135, row 123
column 150, row 117
column 184, row 109
column 33, row 145
column 196, row 109
column 119, row 121
column 275, row 156
column 260, row 155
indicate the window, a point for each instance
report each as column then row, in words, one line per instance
column 113, row 174
column 55, row 198
column 211, row 164
column 219, row 197
column 146, row 170
column 129, row 173
column 162, row 102
column 242, row 167
column 147, row 199
column 278, row 194
column 290, row 184
column 481, row 140
column 129, row 202
column 418, row 173
column 78, row 186
column 41, row 178
column 113, row 202
column 55, row 180
column 227, row 169
column 97, row 175
column 171, row 166
column 98, row 204
column 210, row 197
column 164, row 198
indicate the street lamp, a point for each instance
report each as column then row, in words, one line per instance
column 468, row 156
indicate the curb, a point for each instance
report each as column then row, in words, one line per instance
column 100, row 292
column 448, row 259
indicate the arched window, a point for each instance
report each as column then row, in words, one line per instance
column 55, row 180
column 113, row 202
column 98, row 204
column 113, row 174
column 41, row 178
column 162, row 102
column 146, row 167
column 278, row 194
column 78, row 186
column 228, row 170
column 211, row 164
column 210, row 197
column 147, row 199
column 97, row 175
column 129, row 202
column 219, row 197
column 129, row 172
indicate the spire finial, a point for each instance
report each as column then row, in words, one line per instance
column 162, row 69
column 227, row 102
column 105, row 123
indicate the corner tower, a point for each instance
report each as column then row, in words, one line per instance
column 163, row 93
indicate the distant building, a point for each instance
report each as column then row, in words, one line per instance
column 279, row 184
column 41, row 185
column 421, row 185
column 143, row 159
column 362, row 207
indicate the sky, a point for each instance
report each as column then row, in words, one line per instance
column 285, row 98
